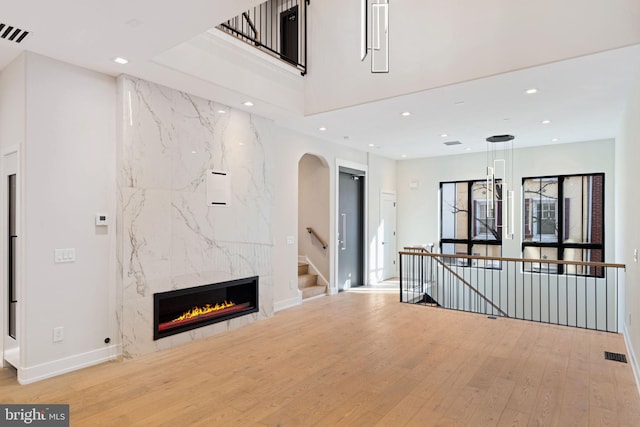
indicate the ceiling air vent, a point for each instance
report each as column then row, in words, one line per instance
column 13, row 34
column 452, row 143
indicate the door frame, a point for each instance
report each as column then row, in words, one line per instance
column 333, row 289
column 9, row 166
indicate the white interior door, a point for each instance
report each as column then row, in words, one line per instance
column 388, row 243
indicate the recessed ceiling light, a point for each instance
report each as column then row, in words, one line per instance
column 405, row 114
column 194, row 152
column 546, row 122
column 444, row 135
column 372, row 145
column 248, row 104
column 322, row 129
column 467, row 149
column 120, row 61
column 222, row 111
column 404, row 156
column 531, row 91
column 555, row 140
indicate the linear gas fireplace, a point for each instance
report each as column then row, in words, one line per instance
column 185, row 309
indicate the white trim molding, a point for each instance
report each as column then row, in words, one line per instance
column 287, row 303
column 73, row 363
column 633, row 361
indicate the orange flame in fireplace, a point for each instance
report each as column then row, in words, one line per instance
column 199, row 311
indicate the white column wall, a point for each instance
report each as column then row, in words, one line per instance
column 68, row 177
column 12, row 136
column 627, row 225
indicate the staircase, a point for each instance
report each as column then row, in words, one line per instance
column 308, row 283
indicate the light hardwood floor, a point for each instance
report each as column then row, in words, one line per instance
column 358, row 359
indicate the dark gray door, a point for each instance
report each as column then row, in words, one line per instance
column 350, row 229
column 289, row 35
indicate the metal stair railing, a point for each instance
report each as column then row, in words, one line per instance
column 584, row 296
column 263, row 27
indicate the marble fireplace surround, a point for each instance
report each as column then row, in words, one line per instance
column 168, row 238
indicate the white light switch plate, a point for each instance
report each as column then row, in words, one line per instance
column 65, row 255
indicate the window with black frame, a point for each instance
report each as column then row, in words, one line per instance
column 470, row 222
column 563, row 219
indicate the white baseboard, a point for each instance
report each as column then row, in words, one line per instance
column 287, row 303
column 62, row 366
column 632, row 357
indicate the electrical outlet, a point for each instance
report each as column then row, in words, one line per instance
column 635, row 255
column 58, row 334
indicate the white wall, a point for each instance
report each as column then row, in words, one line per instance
column 418, row 211
column 69, row 176
column 627, row 225
column 288, row 148
column 70, row 117
column 12, row 103
column 436, row 43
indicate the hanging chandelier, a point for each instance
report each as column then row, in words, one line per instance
column 499, row 182
column 374, row 33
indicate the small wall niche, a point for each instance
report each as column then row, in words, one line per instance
column 218, row 188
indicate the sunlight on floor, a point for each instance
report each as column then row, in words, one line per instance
column 390, row 286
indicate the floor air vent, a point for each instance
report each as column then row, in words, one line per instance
column 618, row 357
column 13, row 34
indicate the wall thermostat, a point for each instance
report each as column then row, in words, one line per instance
column 102, row 219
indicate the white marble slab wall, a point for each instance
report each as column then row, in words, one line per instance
column 168, row 237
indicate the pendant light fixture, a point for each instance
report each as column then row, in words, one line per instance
column 374, row 33
column 500, row 167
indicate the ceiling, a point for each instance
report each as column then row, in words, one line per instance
column 583, row 98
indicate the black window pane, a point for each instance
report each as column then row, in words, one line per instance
column 455, row 210
column 584, row 209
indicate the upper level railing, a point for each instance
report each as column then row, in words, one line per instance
column 277, row 27
column 584, row 296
